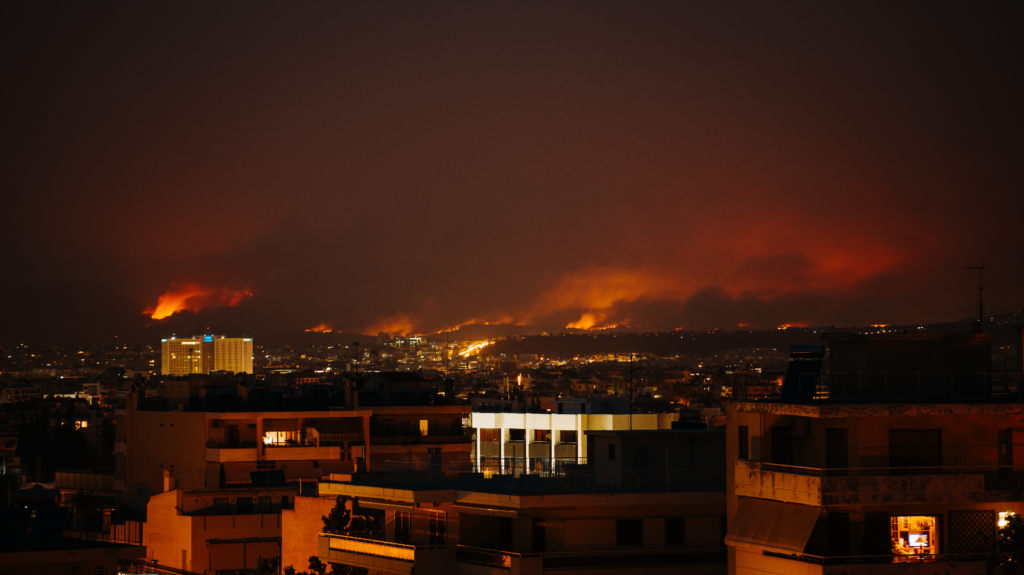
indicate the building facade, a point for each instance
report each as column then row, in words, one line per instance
column 204, row 354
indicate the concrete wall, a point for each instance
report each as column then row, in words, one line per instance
column 160, row 440
column 301, row 527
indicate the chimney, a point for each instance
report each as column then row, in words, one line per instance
column 169, row 484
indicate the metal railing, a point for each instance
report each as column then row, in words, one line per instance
column 597, row 556
column 870, row 386
column 996, row 478
column 231, row 444
column 574, row 479
column 139, row 566
column 418, row 439
column 407, row 470
column 336, row 439
column 863, row 559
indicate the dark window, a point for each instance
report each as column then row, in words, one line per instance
column 561, row 407
column 243, row 505
column 744, row 442
column 782, row 445
column 505, row 533
column 611, row 452
column 539, row 535
column 674, row 531
column 264, row 505
column 220, row 505
column 915, row 448
column 438, row 529
column 286, row 502
column 517, row 435
column 838, row 533
column 629, row 532
column 567, row 436
column 837, row 451
column 403, row 527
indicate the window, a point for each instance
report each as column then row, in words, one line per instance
column 914, row 535
column 490, row 435
column 243, row 506
column 220, row 505
column 675, row 531
column 629, row 532
column 611, row 452
column 782, row 445
column 744, row 442
column 75, row 570
column 438, row 529
column 541, row 436
column 567, row 436
column 540, row 528
column 517, row 435
column 286, row 502
column 403, row 527
column 264, row 505
column 101, row 570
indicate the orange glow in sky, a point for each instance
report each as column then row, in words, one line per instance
column 194, row 297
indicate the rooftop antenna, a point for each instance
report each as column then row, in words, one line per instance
column 981, row 290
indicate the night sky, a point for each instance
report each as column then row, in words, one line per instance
column 409, row 167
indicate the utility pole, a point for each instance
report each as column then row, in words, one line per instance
column 981, row 289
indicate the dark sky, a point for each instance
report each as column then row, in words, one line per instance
column 412, row 166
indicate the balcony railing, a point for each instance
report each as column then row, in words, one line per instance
column 596, row 557
column 877, row 559
column 574, row 479
column 371, row 547
column 865, row 386
column 419, row 439
column 406, row 470
column 996, row 478
column 231, row 444
column 336, row 439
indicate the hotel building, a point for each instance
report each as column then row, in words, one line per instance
column 205, row 354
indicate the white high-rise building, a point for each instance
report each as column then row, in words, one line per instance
column 203, row 354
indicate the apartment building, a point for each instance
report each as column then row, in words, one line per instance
column 651, row 500
column 904, row 456
column 217, row 530
column 539, row 442
column 205, row 354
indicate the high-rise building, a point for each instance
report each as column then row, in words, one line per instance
column 203, row 354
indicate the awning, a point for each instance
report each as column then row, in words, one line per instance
column 388, row 505
column 297, row 469
column 280, row 425
column 772, row 525
column 238, row 471
column 330, row 466
column 485, row 510
column 254, row 550
column 227, row 556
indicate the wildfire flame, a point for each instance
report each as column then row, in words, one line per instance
column 400, row 324
column 194, row 297
column 474, row 348
column 322, row 327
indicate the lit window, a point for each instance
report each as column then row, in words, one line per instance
column 915, row 535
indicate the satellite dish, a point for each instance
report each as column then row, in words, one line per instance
column 318, row 472
column 202, row 393
column 138, row 496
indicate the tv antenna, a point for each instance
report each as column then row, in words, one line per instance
column 981, row 290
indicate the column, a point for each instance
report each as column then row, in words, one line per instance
column 526, row 444
column 579, row 437
column 476, row 463
column 501, row 450
column 551, row 436
column 259, row 437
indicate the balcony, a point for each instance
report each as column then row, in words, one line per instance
column 570, row 477
column 419, row 439
column 477, row 561
column 381, row 556
column 874, row 485
column 224, row 451
column 961, row 563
